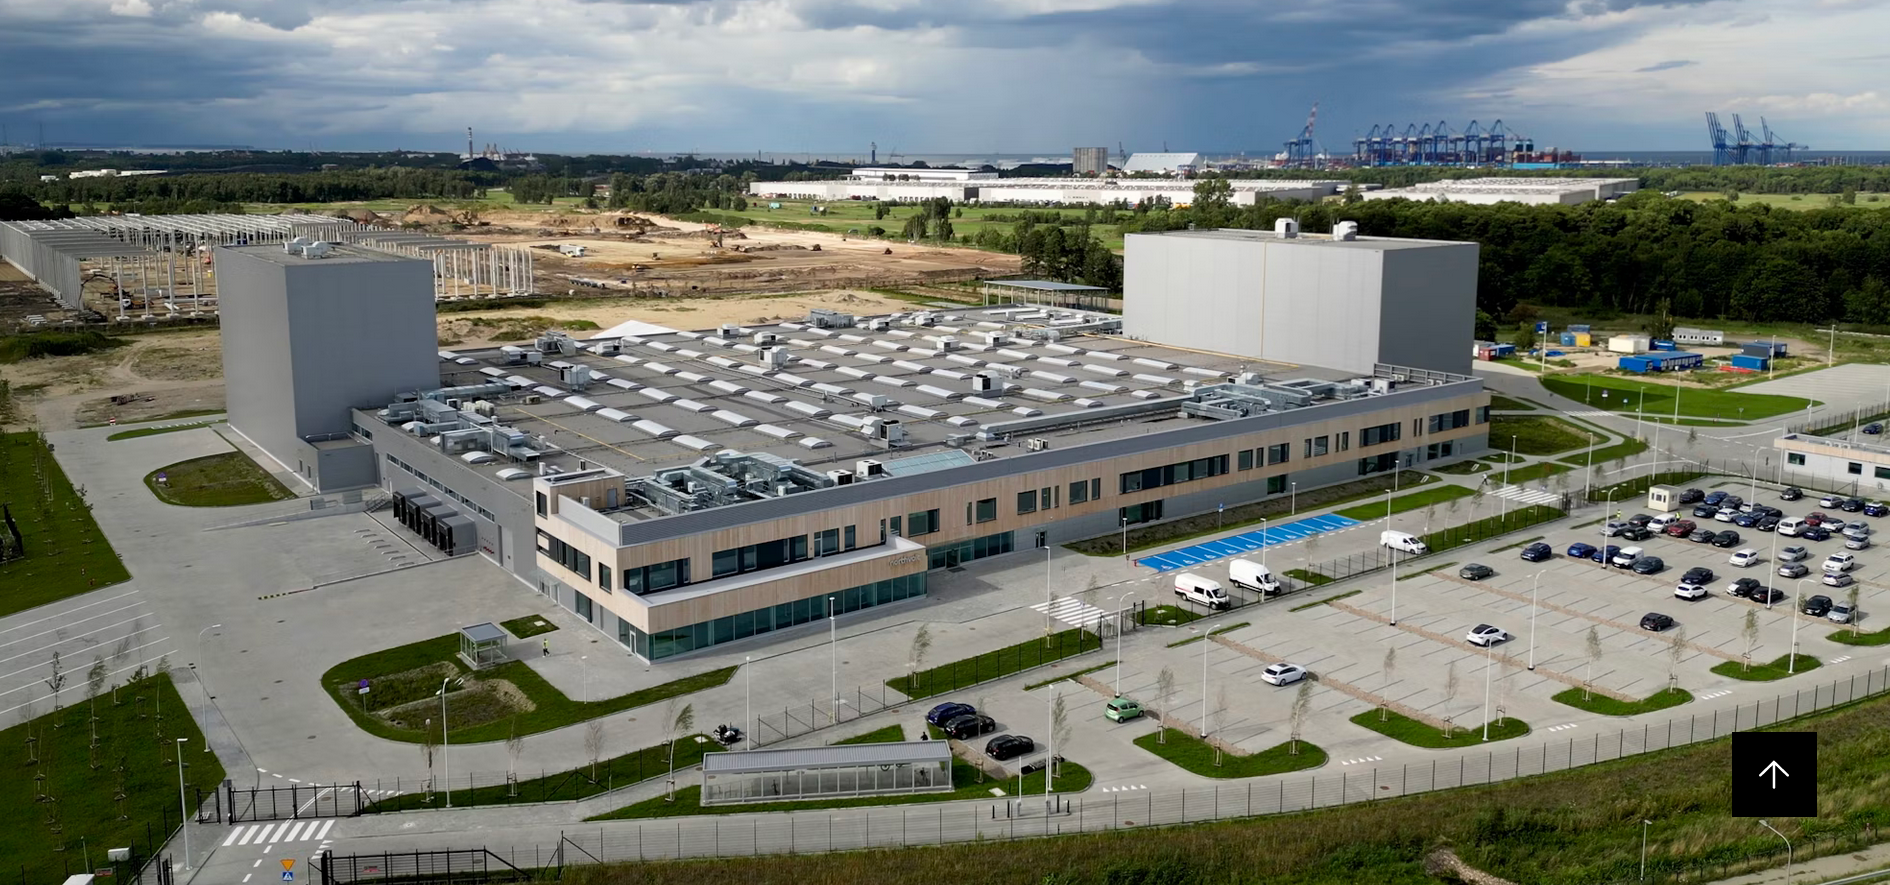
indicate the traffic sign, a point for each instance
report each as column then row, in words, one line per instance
column 288, row 863
column 288, row 876
column 362, row 688
column 1775, row 774
column 1542, row 326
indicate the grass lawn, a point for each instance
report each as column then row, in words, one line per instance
column 1240, row 517
column 1655, row 398
column 1418, row 734
column 891, row 734
column 991, row 665
column 154, row 431
column 1306, row 605
column 1167, row 615
column 1462, row 468
column 1532, row 472
column 407, row 674
column 178, row 415
column 966, row 784
column 229, row 479
column 1197, row 756
column 1502, row 458
column 633, row 767
column 1769, row 672
column 528, row 626
column 1308, row 577
column 1846, row 637
column 1537, row 435
column 66, row 554
column 83, row 795
column 1500, row 403
column 1083, row 672
column 1437, row 494
column 1607, row 706
column 1625, row 449
column 1490, row 527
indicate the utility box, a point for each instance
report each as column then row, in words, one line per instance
column 1663, row 499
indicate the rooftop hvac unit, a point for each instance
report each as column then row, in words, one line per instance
column 454, row 404
column 996, row 339
column 957, row 440
column 730, row 330
column 840, row 477
column 867, row 468
column 1248, row 378
column 1036, row 444
column 607, row 347
column 775, row 357
column 947, row 343
column 986, row 382
column 879, row 325
column 1345, row 230
column 766, row 339
column 1381, row 385
column 878, row 402
column 532, row 399
column 1286, row 228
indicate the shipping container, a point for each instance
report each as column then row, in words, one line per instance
column 1658, row 344
column 1583, row 339
column 1763, row 348
column 1568, row 339
column 1636, row 364
column 1629, row 344
column 1750, row 361
column 1579, row 327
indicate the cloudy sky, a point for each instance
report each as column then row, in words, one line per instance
column 933, row 76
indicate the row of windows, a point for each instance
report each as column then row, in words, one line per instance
column 1377, row 463
column 956, row 552
column 1383, row 433
column 1852, row 467
column 755, row 557
column 1450, row 421
column 1174, row 474
column 764, row 620
column 417, row 474
column 360, row 431
column 573, row 559
column 1082, row 491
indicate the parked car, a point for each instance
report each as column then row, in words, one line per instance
column 1815, row 533
column 1486, row 635
column 1579, row 550
column 1682, row 528
column 1743, row 587
column 1831, row 501
column 1838, row 579
column 1636, row 533
column 1876, row 508
column 1791, row 493
column 1612, row 528
column 1283, row 674
column 1703, row 536
column 948, row 711
column 1766, row 595
column 1625, row 557
column 1834, row 525
column 1767, row 522
column 1840, row 613
column 1122, row 710
column 1793, row 570
column 1714, row 498
column 1856, row 542
column 1726, row 514
column 1691, row 496
column 1727, row 538
column 1746, row 520
column 1705, row 511
column 1699, row 573
column 1475, row 571
column 964, row 728
column 1604, row 555
column 1648, row 565
column 1731, row 502
column 1689, row 590
column 1656, row 622
column 1640, row 519
column 1009, row 746
column 1793, row 553
column 1839, row 562
column 1853, row 505
column 1817, row 606
column 1816, row 517
column 1537, row 552
column 1858, row 529
column 1873, row 427
column 1746, row 558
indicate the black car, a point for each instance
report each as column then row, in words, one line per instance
column 1604, row 555
column 948, row 711
column 1791, row 493
column 1691, row 496
column 1647, row 565
column 1743, row 587
column 1537, row 552
column 1731, row 502
column 1793, row 570
column 1853, row 505
column 1009, row 746
column 1767, row 523
column 1873, row 427
column 1698, row 574
column 1747, row 520
column 1639, row 519
column 1728, row 538
column 1636, row 533
column 1475, row 571
column 1817, row 606
column 1703, row 536
column 1705, row 511
column 1815, row 533
column 1766, row 595
column 1656, row 622
column 964, row 728
column 1714, row 498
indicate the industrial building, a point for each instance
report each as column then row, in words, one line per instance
column 1535, row 191
column 1044, row 191
column 1686, row 335
column 1090, row 162
column 1162, row 163
column 1862, row 467
column 1339, row 300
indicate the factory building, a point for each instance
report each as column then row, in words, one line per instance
column 1162, row 163
column 1536, row 191
column 1859, row 468
column 1090, row 162
column 1044, row 191
column 1342, row 301
column 312, row 331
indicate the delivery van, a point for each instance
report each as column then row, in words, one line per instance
column 1190, row 587
column 1253, row 576
column 1404, row 541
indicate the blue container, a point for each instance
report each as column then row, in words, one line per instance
column 1568, row 339
column 1581, row 327
column 1635, row 364
column 1748, row 361
column 1663, row 345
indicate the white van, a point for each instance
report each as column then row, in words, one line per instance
column 1190, row 587
column 1627, row 556
column 1253, row 576
column 1404, row 541
column 1839, row 562
column 1791, row 526
column 1660, row 523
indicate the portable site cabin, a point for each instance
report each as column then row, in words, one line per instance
column 1630, row 344
column 1772, row 349
column 1745, row 362
column 1661, row 362
column 1685, row 335
column 1663, row 499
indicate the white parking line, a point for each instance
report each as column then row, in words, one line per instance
column 1362, row 759
column 67, row 612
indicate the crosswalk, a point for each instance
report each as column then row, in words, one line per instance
column 1526, row 496
column 1840, row 659
column 1363, row 759
column 1124, row 789
column 1720, row 693
column 1563, row 727
column 279, row 831
column 1073, row 612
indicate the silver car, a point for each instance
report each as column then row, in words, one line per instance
column 1839, row 613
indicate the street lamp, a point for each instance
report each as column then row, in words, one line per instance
column 446, row 744
column 1644, row 825
column 748, row 694
column 1788, row 850
column 1489, row 664
column 1049, row 592
column 1535, row 583
column 1125, row 539
column 1119, row 631
column 1204, row 685
column 833, row 664
column 1394, row 586
column 1292, row 511
column 183, row 809
column 1798, row 602
column 584, row 679
column 203, row 712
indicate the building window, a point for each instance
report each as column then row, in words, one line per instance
column 1383, row 433
column 603, row 576
column 1139, row 513
column 1243, row 459
column 661, row 576
column 897, row 521
column 849, row 537
column 1796, row 459
column 1172, row 474
column 1315, row 447
column 924, row 522
column 953, row 553
column 1439, row 450
column 541, row 505
column 1276, row 485
column 582, row 604
column 755, row 557
column 1460, row 418
column 771, row 618
column 1377, row 463
column 1483, row 414
column 1095, row 489
column 1079, row 491
column 565, row 555
column 1345, row 440
column 1278, row 454
column 1026, row 502
column 827, row 543
column 1854, row 468
column 1044, row 498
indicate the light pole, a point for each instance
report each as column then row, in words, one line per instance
column 183, row 809
column 833, row 664
column 584, row 679
column 1644, row 825
column 1503, row 507
column 203, row 712
column 1489, row 664
column 1394, row 586
column 1292, row 511
column 1534, row 585
column 1125, row 539
column 1798, row 601
column 748, row 695
column 1788, row 851
column 1204, row 685
column 1265, row 542
column 1119, row 631
column 446, row 762
column 1049, row 593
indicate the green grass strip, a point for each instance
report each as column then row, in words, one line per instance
column 1425, row 571
column 1625, row 449
column 1416, row 500
column 1608, row 706
column 528, row 626
column 1657, row 399
column 1307, row 577
column 1198, row 756
column 1537, row 435
column 228, row 479
column 1026, row 655
column 1846, row 637
column 1501, row 402
column 1418, row 734
column 1306, row 605
column 966, row 784
column 1230, row 628
column 891, row 734
column 1166, row 615
column 154, row 431
column 1490, row 527
column 1070, row 676
column 582, row 782
column 1775, row 670
column 66, row 554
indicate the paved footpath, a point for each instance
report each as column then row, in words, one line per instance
column 1858, row 865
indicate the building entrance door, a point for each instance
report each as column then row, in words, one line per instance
column 1042, row 540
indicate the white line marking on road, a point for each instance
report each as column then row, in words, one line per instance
column 291, row 834
column 249, row 835
column 1563, row 727
column 1840, row 659
column 233, row 834
column 1071, row 611
column 67, row 612
column 325, row 825
column 1715, row 694
column 69, row 638
column 1363, row 759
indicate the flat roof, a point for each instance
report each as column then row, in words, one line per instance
column 837, row 756
column 338, row 254
column 1325, row 240
column 1044, row 285
column 486, row 632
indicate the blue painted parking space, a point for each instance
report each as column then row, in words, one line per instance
column 1247, row 542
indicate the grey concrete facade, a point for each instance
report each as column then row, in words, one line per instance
column 306, row 340
column 1305, row 300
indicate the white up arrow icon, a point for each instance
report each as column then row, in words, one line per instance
column 1774, row 769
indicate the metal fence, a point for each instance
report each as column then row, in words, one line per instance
column 473, row 866
column 1839, row 420
column 143, row 864
column 822, row 830
column 234, row 804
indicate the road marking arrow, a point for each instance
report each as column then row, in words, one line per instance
column 1774, row 769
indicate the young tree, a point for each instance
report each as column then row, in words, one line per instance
column 1508, row 669
column 94, row 684
column 594, row 744
column 514, row 748
column 1217, row 718
column 680, row 721
column 1164, row 690
column 921, row 644
column 1060, row 727
column 56, row 681
column 1750, row 632
column 1384, row 700
column 1851, row 598
column 427, row 743
column 1676, row 649
column 1594, row 657
column 1302, row 706
column 1451, row 685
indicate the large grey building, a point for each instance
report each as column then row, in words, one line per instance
column 313, row 331
column 1090, row 161
column 1341, row 301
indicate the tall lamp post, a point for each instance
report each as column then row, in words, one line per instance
column 1119, row 631
column 748, row 695
column 1489, row 664
column 1788, row 850
column 1798, row 602
column 1125, row 539
column 183, row 809
column 1534, row 584
column 1049, row 592
column 1204, row 684
column 203, row 712
column 1644, row 825
column 833, row 664
column 446, row 762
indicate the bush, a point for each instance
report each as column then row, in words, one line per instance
column 19, row 347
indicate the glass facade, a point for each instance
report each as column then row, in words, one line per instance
column 948, row 555
column 669, row 643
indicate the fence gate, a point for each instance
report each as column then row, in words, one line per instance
column 240, row 804
column 472, row 866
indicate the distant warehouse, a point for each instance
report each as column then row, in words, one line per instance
column 1562, row 191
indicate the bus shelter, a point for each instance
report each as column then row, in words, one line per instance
column 824, row 772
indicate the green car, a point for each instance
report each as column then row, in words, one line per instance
column 1123, row 710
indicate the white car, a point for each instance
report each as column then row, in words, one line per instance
column 1726, row 515
column 1690, row 590
column 1831, row 501
column 1486, row 635
column 1746, row 558
column 1283, row 674
column 1839, row 562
